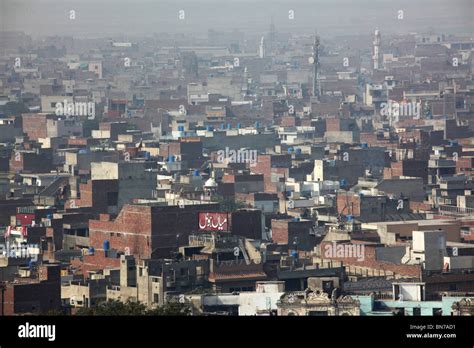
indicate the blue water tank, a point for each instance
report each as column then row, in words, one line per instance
column 171, row 158
column 106, row 245
column 257, row 124
column 298, row 151
column 91, row 251
column 223, row 126
column 343, row 182
column 147, row 155
column 181, row 128
column 365, row 146
column 209, row 128
column 229, row 126
column 294, row 254
column 239, row 125
column 290, row 150
column 196, row 172
column 350, row 217
column 31, row 264
column 49, row 216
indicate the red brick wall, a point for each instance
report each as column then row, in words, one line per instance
column 34, row 125
column 370, row 261
column 332, row 125
column 348, row 204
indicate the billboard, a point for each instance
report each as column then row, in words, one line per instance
column 213, row 221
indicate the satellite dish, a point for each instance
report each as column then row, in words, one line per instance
column 311, row 60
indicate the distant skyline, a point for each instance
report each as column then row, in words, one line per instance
column 99, row 18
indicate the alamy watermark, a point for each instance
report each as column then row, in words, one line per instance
column 393, row 110
column 237, row 156
column 76, row 109
column 346, row 251
column 19, row 250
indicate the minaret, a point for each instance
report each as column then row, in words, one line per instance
column 376, row 50
column 262, row 48
column 314, row 60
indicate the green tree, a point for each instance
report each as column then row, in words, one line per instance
column 171, row 309
column 114, row 308
column 117, row 308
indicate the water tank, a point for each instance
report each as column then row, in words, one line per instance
column 229, row 126
column 223, row 126
column 343, row 182
column 290, row 150
column 298, row 151
column 171, row 158
column 350, row 218
column 239, row 125
column 294, row 254
column 365, row 146
column 257, row 124
column 106, row 245
column 147, row 155
column 196, row 172
column 209, row 128
column 91, row 251
column 181, row 128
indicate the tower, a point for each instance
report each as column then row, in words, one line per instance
column 262, row 52
column 376, row 50
column 314, row 60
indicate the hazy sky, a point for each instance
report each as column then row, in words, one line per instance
column 96, row 18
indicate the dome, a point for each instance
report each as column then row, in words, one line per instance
column 210, row 183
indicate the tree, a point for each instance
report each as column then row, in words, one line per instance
column 171, row 309
column 114, row 308
column 117, row 308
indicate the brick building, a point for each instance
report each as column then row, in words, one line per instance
column 147, row 231
column 295, row 233
column 34, row 296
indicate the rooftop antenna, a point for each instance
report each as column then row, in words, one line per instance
column 314, row 60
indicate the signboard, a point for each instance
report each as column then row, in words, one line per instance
column 213, row 222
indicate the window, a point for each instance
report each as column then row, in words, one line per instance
column 156, row 298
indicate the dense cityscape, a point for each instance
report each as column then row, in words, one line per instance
column 237, row 173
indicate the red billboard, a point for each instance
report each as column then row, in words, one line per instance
column 213, row 221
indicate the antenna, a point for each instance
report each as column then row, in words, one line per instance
column 314, row 60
